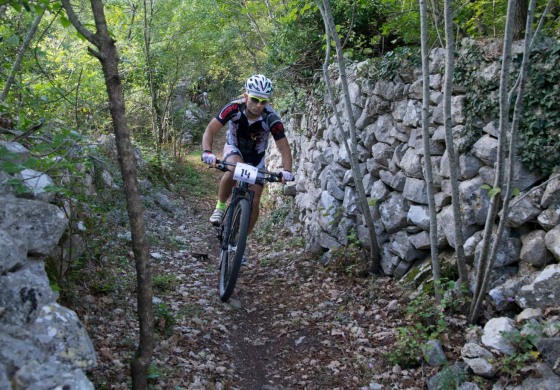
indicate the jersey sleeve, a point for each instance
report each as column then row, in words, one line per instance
column 275, row 125
column 227, row 113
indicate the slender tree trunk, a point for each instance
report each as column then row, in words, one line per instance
column 108, row 56
column 21, row 53
column 133, row 7
column 351, row 148
column 150, row 70
column 512, row 149
column 436, row 269
column 485, row 264
column 520, row 19
column 437, row 17
column 450, row 146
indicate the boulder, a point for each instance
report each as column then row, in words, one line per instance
column 401, row 245
column 415, row 190
column 433, row 353
column 533, row 250
column 474, row 200
column 329, row 214
column 479, row 359
column 526, row 209
column 493, row 334
column 39, row 225
column 551, row 193
column 394, row 212
column 419, row 215
column 395, row 181
column 14, row 252
column 24, row 293
column 486, row 149
column 552, row 241
column 445, row 218
column 549, row 218
column 543, row 292
column 410, row 164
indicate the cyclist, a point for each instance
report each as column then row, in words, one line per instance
column 250, row 121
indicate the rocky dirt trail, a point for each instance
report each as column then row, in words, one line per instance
column 290, row 324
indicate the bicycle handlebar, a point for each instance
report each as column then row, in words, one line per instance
column 268, row 176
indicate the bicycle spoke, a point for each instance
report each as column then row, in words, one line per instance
column 232, row 253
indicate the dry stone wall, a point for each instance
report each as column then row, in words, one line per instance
column 387, row 114
column 43, row 344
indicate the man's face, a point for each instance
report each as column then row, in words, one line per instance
column 255, row 104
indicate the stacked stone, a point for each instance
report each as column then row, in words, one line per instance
column 391, row 157
column 44, row 345
column 387, row 116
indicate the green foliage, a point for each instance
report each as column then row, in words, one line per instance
column 272, row 221
column 539, row 140
column 492, row 191
column 392, row 63
column 153, row 373
column 186, row 175
column 164, row 283
column 104, row 282
column 481, row 103
column 483, row 18
column 402, row 22
column 351, row 259
column 359, row 24
column 539, row 131
column 190, row 310
column 513, row 365
column 456, row 297
column 426, row 322
column 408, row 347
column 164, row 319
column 450, row 377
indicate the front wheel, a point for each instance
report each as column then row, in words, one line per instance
column 233, row 247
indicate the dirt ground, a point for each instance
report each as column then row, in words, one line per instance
column 290, row 324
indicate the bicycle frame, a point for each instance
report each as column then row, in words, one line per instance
column 233, row 229
column 241, row 189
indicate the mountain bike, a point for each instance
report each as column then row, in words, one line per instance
column 234, row 227
column 202, row 101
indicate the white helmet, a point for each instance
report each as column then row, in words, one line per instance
column 259, row 86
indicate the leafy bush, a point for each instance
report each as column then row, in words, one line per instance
column 539, row 140
column 539, row 132
column 164, row 319
column 427, row 322
column 513, row 365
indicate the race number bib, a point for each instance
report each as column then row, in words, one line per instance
column 246, row 173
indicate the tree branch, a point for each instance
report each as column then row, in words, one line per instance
column 77, row 23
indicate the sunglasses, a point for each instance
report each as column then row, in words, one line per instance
column 255, row 99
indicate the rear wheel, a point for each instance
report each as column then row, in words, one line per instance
column 233, row 247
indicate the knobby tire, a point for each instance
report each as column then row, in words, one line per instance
column 233, row 248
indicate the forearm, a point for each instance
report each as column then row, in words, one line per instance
column 287, row 161
column 207, row 141
column 285, row 153
column 208, row 137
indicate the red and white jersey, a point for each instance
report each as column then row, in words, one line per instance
column 250, row 137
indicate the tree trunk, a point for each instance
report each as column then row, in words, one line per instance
column 149, row 69
column 351, row 148
column 486, row 262
column 436, row 269
column 518, row 109
column 450, row 146
column 21, row 52
column 108, row 56
column 520, row 19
